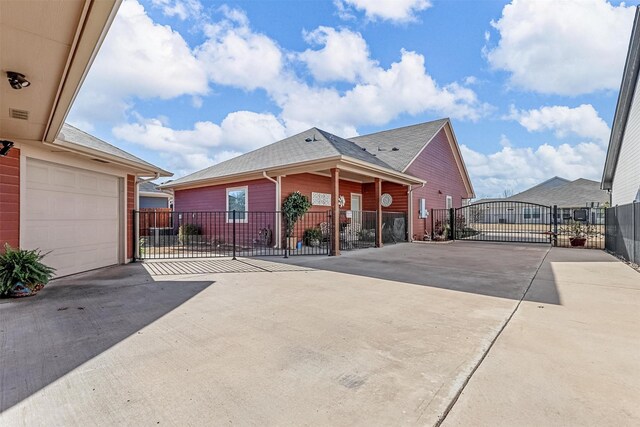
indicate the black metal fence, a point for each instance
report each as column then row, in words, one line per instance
column 394, row 227
column 622, row 234
column 357, row 229
column 508, row 221
column 441, row 224
column 229, row 234
column 579, row 227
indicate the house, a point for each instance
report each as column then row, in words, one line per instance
column 402, row 172
column 61, row 190
column 621, row 173
column 150, row 196
column 529, row 205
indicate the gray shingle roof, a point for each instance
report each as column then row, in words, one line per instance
column 310, row 145
column 568, row 194
column 150, row 187
column 76, row 136
column 409, row 140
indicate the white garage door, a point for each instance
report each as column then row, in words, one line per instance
column 74, row 213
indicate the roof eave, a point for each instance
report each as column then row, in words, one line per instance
column 623, row 106
column 142, row 169
column 90, row 33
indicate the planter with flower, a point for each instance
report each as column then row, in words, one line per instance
column 578, row 232
column 22, row 272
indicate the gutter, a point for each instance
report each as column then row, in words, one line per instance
column 278, row 183
column 411, row 213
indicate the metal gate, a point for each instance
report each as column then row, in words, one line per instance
column 162, row 234
column 499, row 221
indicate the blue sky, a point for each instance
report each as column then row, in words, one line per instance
column 529, row 85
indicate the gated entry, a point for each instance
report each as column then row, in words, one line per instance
column 504, row 222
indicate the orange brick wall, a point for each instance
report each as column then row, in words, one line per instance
column 131, row 191
column 10, row 199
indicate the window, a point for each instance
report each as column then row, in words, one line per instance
column 237, row 199
column 449, row 202
column 531, row 213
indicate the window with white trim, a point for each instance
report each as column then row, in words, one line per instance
column 449, row 202
column 238, row 200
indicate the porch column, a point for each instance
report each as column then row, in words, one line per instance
column 335, row 211
column 378, row 195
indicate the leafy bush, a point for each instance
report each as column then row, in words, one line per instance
column 187, row 230
column 25, row 266
column 312, row 234
column 294, row 206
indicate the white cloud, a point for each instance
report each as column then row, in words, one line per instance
column 138, row 58
column 582, row 121
column 183, row 9
column 567, row 47
column 343, row 57
column 188, row 150
column 236, row 56
column 520, row 168
column 388, row 10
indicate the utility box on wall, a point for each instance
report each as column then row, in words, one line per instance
column 422, row 208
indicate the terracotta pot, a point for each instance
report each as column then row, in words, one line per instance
column 577, row 241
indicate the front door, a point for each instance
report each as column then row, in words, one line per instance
column 356, row 214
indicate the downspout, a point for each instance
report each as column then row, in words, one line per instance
column 411, row 213
column 277, row 182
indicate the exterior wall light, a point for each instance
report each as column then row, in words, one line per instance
column 17, row 80
column 6, row 146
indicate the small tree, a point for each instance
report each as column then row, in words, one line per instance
column 294, row 206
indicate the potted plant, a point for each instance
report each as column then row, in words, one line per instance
column 312, row 236
column 577, row 232
column 22, row 272
column 294, row 206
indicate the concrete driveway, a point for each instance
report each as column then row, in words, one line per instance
column 390, row 337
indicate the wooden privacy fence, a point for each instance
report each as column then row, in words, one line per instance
column 154, row 218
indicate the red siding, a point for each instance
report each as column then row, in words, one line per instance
column 131, row 190
column 307, row 183
column 436, row 164
column 10, row 199
column 262, row 197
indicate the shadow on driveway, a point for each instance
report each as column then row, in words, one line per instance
column 76, row 318
column 493, row 269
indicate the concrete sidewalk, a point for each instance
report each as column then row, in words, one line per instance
column 575, row 363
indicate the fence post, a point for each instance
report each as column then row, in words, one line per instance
column 134, row 227
column 452, row 223
column 286, row 236
column 555, row 225
column 234, row 234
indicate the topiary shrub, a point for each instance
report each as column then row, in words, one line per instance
column 294, row 206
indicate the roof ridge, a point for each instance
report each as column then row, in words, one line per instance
column 444, row 119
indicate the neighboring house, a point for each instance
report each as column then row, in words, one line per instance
column 622, row 166
column 565, row 194
column 61, row 190
column 416, row 168
column 150, row 196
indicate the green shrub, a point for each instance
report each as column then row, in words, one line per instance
column 294, row 206
column 185, row 231
column 312, row 234
column 25, row 266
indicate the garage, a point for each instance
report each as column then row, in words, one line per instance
column 75, row 214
